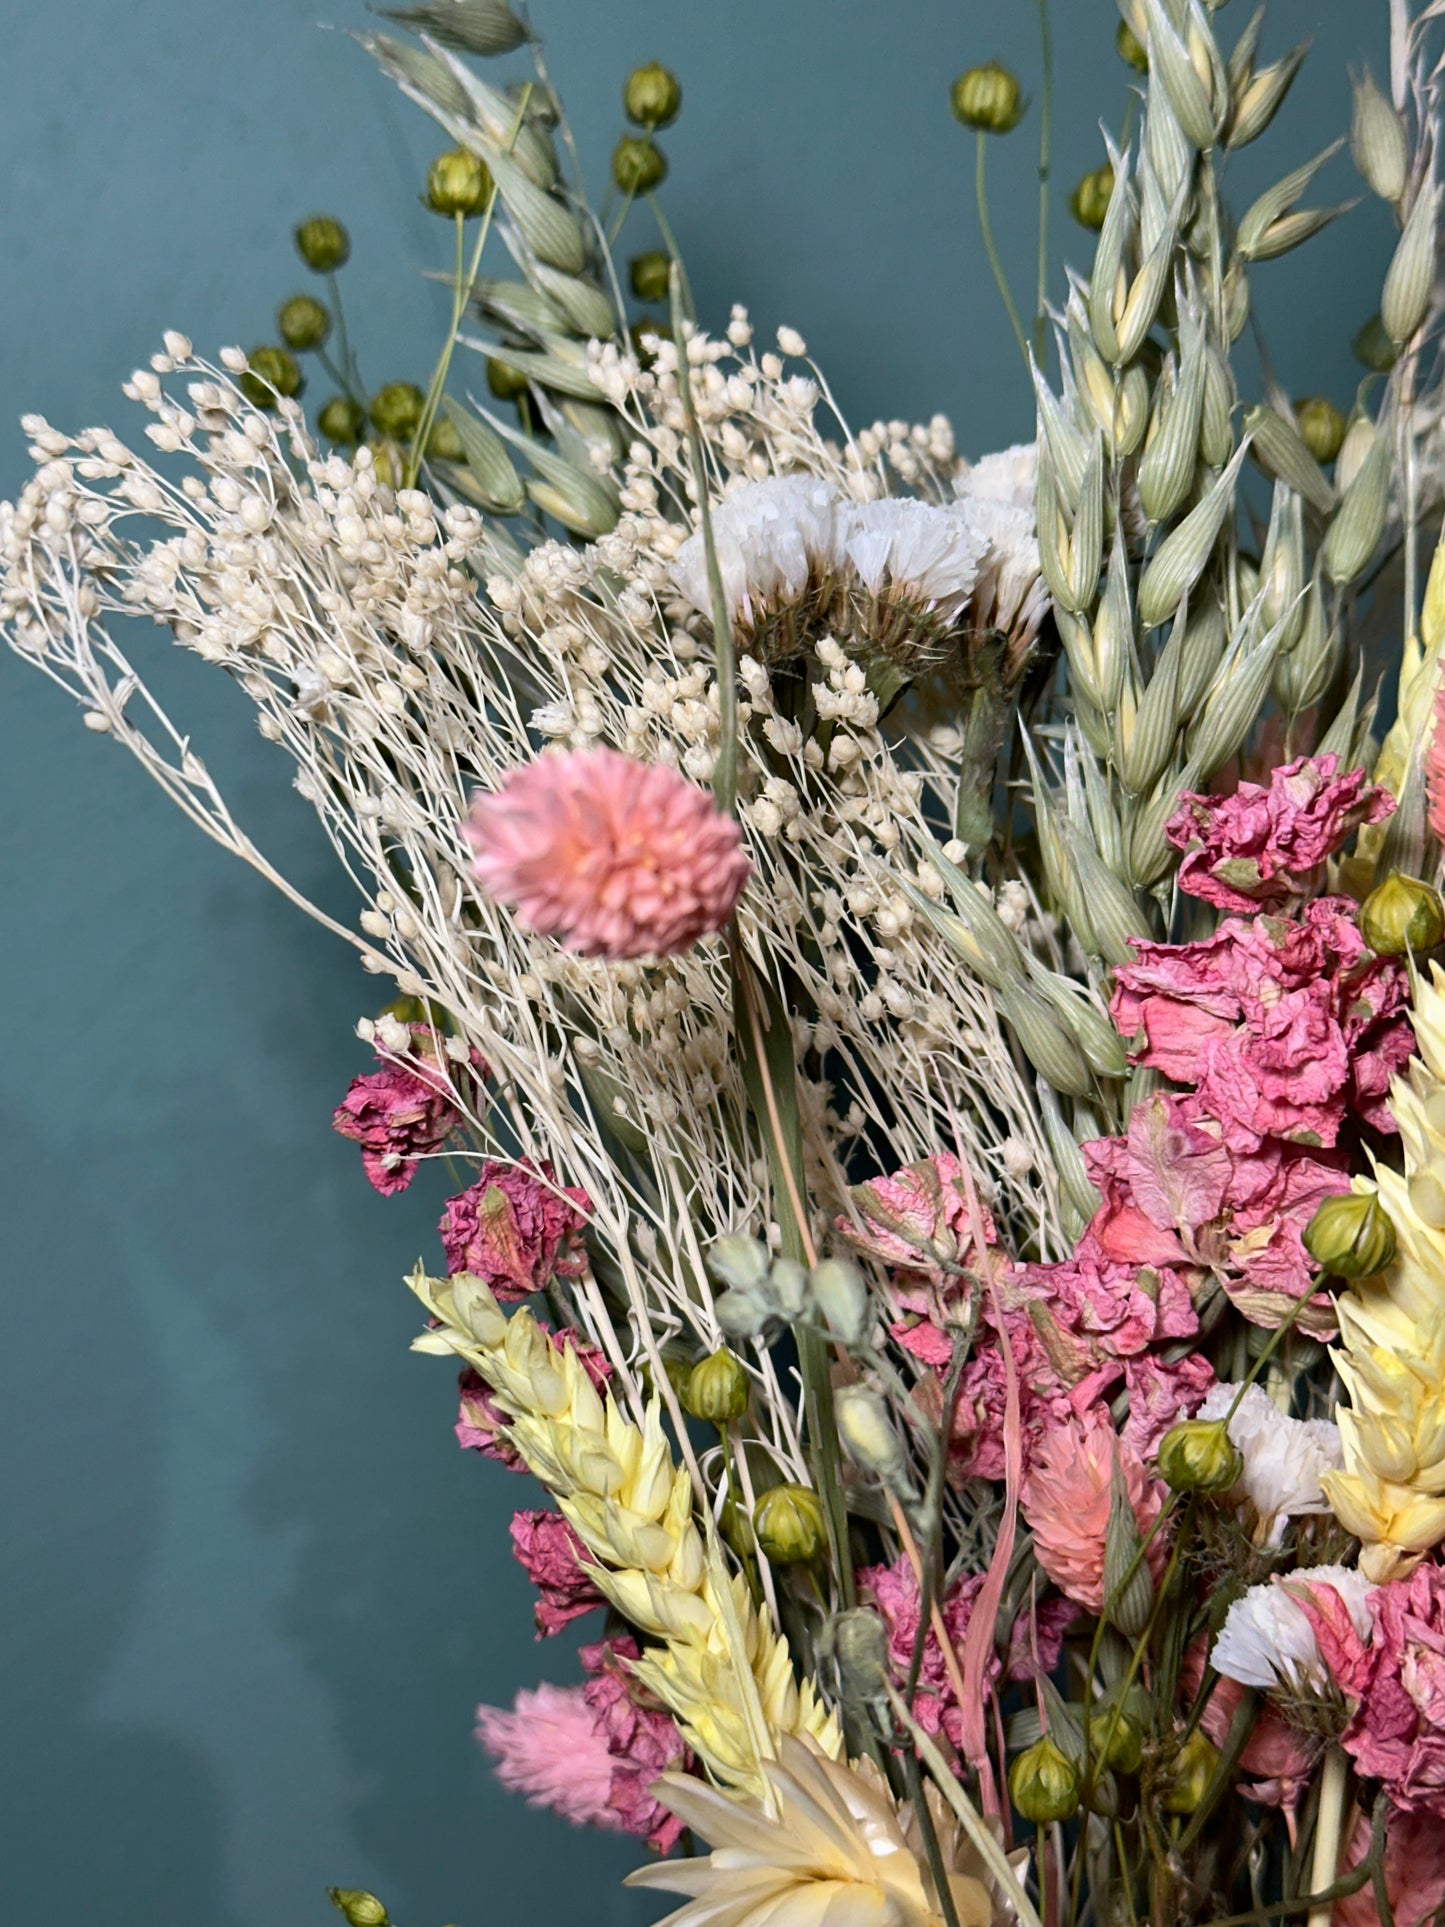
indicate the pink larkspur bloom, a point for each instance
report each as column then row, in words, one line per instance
column 1414, row 1871
column 1282, row 1026
column 1066, row 1500
column 642, row 1741
column 918, row 1220
column 613, row 857
column 894, row 1591
column 1397, row 1683
column 1267, row 846
column 401, row 1112
column 516, row 1229
column 1179, row 1193
column 550, row 1553
column 482, row 1425
column 591, row 1752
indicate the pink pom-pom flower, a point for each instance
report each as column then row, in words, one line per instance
column 613, row 857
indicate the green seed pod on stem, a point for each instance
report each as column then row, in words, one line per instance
column 1411, row 275
column 1351, row 1236
column 1043, row 1784
column 270, row 372
column 1198, row 1455
column 323, row 244
column 1321, row 427
column 988, row 99
column 789, row 1526
column 652, row 97
column 716, row 1389
column 302, row 323
column 1359, row 522
column 1402, row 916
column 638, row 165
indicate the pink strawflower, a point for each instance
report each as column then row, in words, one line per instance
column 894, row 1591
column 590, row 1752
column 1066, row 1500
column 613, row 857
column 1282, row 1026
column 918, row 1220
column 1397, row 1684
column 1414, row 1871
column 550, row 1553
column 1268, row 846
column 482, row 1425
column 516, row 1229
column 404, row 1111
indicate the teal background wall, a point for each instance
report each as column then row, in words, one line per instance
column 253, row 1590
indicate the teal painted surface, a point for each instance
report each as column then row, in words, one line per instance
column 253, row 1589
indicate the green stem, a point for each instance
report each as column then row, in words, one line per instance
column 1046, row 123
column 463, row 280
column 461, row 286
column 350, row 374
column 990, row 247
column 930, row 1839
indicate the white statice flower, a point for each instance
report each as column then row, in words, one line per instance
column 772, row 538
column 917, row 551
column 1284, row 1458
column 999, row 491
column 1267, row 1641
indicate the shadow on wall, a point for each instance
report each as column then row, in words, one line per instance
column 103, row 1820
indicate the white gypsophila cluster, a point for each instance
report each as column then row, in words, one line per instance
column 1267, row 1641
column 1284, row 1458
column 350, row 615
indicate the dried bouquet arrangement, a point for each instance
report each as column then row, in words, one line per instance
column 923, row 970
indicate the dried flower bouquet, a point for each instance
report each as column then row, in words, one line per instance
column 928, row 971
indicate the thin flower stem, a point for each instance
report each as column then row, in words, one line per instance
column 463, row 280
column 951, row 1787
column 930, row 1839
column 990, row 247
column 350, row 375
column 1046, row 124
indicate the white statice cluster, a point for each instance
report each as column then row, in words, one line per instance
column 1267, row 1640
column 352, row 616
column 1285, row 1459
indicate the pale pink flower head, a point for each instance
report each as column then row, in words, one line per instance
column 591, row 1753
column 551, row 1555
column 516, row 1229
column 1067, row 1497
column 1263, row 847
column 613, row 857
column 549, row 1748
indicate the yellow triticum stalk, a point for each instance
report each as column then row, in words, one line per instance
column 1391, row 1357
column 717, row 1665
